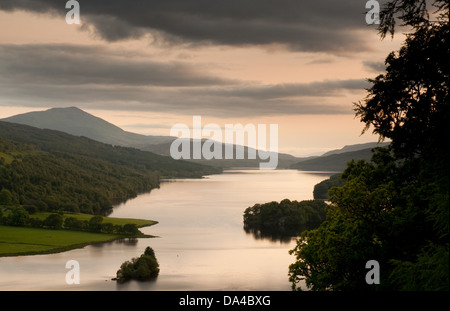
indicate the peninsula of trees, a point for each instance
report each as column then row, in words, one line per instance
column 284, row 219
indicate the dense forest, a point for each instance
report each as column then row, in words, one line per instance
column 394, row 208
column 285, row 219
column 50, row 140
column 54, row 171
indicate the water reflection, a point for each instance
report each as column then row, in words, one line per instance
column 276, row 235
column 123, row 241
column 269, row 235
column 201, row 243
column 136, row 285
column 128, row 241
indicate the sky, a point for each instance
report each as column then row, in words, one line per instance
column 148, row 65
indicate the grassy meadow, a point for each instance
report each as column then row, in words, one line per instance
column 18, row 241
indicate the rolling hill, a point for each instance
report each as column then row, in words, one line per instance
column 334, row 162
column 355, row 147
column 77, row 122
column 57, row 141
column 55, row 171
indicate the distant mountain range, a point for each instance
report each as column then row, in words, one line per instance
column 77, row 122
column 336, row 160
column 357, row 147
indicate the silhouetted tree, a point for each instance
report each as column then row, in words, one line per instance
column 394, row 208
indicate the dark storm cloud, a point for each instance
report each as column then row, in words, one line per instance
column 319, row 25
column 101, row 77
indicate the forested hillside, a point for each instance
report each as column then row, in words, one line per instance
column 54, row 171
column 74, row 121
column 50, row 140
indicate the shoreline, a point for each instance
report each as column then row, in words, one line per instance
column 67, row 248
column 82, row 239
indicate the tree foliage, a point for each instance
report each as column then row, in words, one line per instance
column 58, row 181
column 394, row 208
column 321, row 189
column 53, row 221
column 55, row 171
column 141, row 268
column 413, row 13
column 19, row 217
column 409, row 103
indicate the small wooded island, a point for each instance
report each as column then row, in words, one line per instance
column 143, row 268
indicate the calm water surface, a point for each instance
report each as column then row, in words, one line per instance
column 200, row 244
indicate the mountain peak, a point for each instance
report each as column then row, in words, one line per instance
column 78, row 122
column 69, row 109
column 71, row 120
column 75, row 111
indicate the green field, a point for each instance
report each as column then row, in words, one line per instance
column 18, row 241
column 27, row 241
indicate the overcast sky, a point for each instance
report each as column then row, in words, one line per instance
column 147, row 65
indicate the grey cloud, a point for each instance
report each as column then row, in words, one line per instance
column 320, row 25
column 73, row 65
column 271, row 92
column 95, row 77
column 203, row 101
column 375, row 66
column 112, row 28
